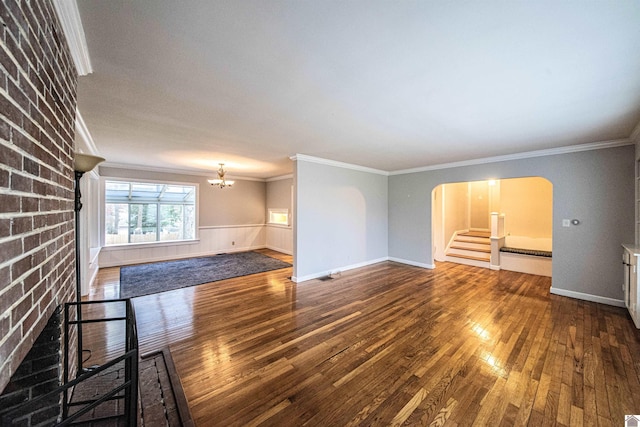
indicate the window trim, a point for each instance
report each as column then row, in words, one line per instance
column 278, row 211
column 103, row 203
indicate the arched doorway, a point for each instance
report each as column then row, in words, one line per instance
column 462, row 229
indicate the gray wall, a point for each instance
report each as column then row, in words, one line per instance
column 341, row 218
column 279, row 195
column 596, row 187
column 242, row 204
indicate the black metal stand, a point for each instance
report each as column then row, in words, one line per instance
column 78, row 206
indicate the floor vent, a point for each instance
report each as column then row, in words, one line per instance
column 325, row 278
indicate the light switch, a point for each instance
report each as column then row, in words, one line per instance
column 566, row 223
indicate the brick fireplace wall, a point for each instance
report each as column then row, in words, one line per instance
column 37, row 125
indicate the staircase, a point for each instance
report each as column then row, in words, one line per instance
column 470, row 248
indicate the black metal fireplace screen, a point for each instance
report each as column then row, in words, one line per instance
column 121, row 396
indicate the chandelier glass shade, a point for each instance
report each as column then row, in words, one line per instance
column 220, row 181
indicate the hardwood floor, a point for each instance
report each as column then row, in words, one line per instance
column 391, row 344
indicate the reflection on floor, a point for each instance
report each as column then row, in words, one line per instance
column 391, row 344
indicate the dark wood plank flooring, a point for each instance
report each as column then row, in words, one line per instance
column 390, row 344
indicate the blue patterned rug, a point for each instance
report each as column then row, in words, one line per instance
column 146, row 279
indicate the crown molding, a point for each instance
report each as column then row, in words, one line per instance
column 69, row 17
column 208, row 175
column 520, row 156
column 82, row 132
column 279, row 178
column 312, row 159
column 635, row 135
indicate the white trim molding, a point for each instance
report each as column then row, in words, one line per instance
column 587, row 297
column 69, row 17
column 412, row 263
column 635, row 135
column 337, row 270
column 311, row 159
column 360, row 265
column 209, row 227
column 213, row 240
column 280, row 178
column 519, row 156
column 82, row 131
column 277, row 249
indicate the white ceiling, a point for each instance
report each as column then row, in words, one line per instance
column 389, row 85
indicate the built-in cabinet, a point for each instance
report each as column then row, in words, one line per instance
column 630, row 287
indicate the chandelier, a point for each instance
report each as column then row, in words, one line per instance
column 220, row 181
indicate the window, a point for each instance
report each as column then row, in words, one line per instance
column 137, row 212
column 279, row 216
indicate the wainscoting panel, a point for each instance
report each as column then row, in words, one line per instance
column 280, row 238
column 212, row 240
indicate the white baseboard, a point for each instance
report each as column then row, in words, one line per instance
column 413, row 263
column 587, row 297
column 274, row 248
column 336, row 270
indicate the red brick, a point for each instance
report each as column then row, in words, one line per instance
column 8, row 20
column 46, row 173
column 31, row 280
column 47, row 298
column 30, row 242
column 13, row 293
column 31, row 318
column 30, row 126
column 21, row 225
column 39, row 221
column 10, row 110
column 21, row 183
column 41, row 188
column 21, row 310
column 10, row 249
column 40, row 289
column 39, row 257
column 25, row 143
column 38, row 102
column 20, row 267
column 30, row 204
column 5, row 278
column 20, row 59
column 30, row 166
column 5, row 326
column 10, row 157
column 10, row 344
column 5, row 129
column 4, row 178
column 5, row 227
column 17, row 95
column 8, row 64
column 10, row 202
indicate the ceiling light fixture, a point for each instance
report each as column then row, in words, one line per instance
column 220, row 181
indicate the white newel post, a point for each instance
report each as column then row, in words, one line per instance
column 497, row 239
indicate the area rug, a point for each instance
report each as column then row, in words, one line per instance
column 146, row 279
